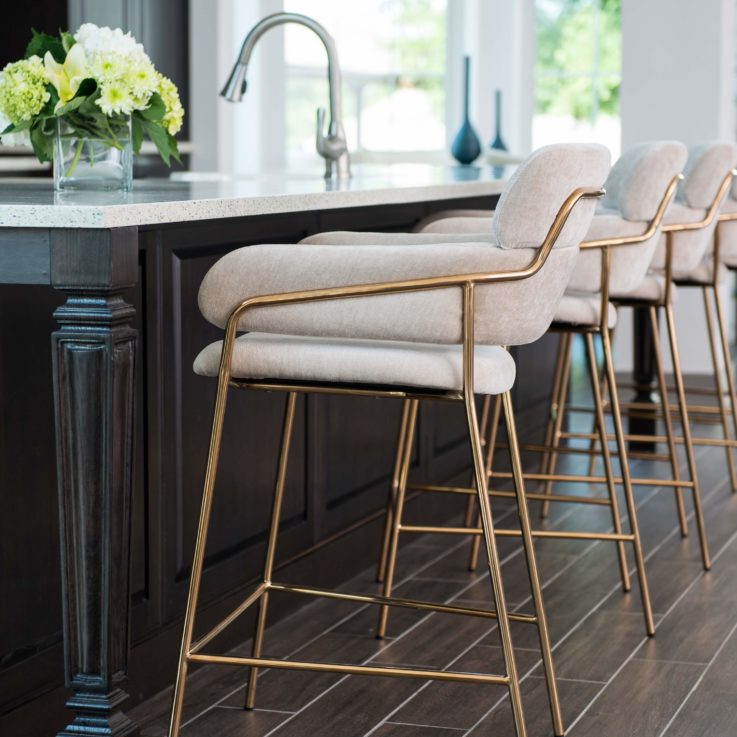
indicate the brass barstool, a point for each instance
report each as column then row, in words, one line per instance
column 643, row 184
column 302, row 347
column 687, row 234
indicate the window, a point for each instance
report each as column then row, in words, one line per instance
column 392, row 57
column 578, row 72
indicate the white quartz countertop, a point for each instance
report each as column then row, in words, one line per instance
column 32, row 203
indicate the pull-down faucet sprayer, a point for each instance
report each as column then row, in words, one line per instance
column 332, row 145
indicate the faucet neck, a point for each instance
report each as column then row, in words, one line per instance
column 278, row 19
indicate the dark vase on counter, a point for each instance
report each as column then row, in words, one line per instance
column 466, row 146
column 498, row 143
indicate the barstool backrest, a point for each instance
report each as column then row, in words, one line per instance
column 707, row 165
column 537, row 190
column 639, row 178
column 634, row 190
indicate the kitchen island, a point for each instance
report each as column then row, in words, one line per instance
column 108, row 466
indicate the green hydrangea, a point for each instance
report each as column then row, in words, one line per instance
column 174, row 115
column 23, row 89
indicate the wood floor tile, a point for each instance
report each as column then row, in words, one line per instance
column 411, row 730
column 640, row 700
column 290, row 690
column 710, row 709
column 351, row 708
column 599, row 646
column 461, row 705
column 234, row 723
column 574, row 696
column 439, row 640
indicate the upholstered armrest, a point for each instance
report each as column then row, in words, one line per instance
column 509, row 312
column 351, row 238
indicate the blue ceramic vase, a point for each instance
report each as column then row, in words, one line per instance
column 466, row 146
column 498, row 143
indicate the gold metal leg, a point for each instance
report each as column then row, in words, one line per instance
column 723, row 411
column 553, row 404
column 552, row 458
column 391, row 502
column 667, row 419
column 688, row 444
column 727, row 356
column 199, row 551
column 627, row 483
column 281, row 475
column 600, row 423
column 491, row 444
column 397, row 516
column 492, row 555
column 534, row 576
column 470, row 501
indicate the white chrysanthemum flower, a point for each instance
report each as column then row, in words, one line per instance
column 116, row 99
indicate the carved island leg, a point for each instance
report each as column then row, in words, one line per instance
column 94, row 361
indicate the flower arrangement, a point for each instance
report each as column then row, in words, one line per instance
column 99, row 83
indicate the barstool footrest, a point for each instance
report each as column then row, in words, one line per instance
column 399, row 602
column 503, row 532
column 367, row 670
column 534, row 495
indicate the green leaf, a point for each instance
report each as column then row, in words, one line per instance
column 42, row 42
column 67, row 40
column 72, row 105
column 43, row 144
column 156, row 109
column 136, row 133
column 89, row 106
column 8, row 129
column 87, row 87
column 160, row 139
column 174, row 148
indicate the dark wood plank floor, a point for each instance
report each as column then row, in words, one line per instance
column 614, row 681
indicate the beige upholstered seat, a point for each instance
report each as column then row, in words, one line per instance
column 651, row 289
column 424, row 226
column 347, row 360
column 581, row 308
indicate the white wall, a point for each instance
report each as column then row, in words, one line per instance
column 678, row 81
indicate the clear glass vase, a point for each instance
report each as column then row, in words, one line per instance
column 92, row 164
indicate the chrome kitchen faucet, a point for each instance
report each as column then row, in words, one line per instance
column 331, row 146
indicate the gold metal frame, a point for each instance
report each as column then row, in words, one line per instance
column 683, row 408
column 191, row 652
column 554, row 433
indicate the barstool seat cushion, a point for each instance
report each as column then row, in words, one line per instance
column 480, row 223
column 628, row 263
column 358, row 238
column 261, row 356
column 650, row 289
column 583, row 308
column 422, row 225
column 702, row 274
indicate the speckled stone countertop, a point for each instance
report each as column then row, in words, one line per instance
column 32, row 203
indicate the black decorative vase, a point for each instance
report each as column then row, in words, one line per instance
column 498, row 143
column 466, row 146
